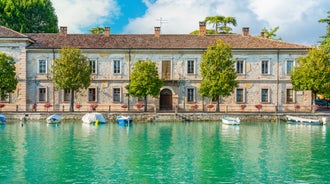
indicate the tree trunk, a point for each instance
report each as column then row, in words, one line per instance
column 145, row 104
column 72, row 101
column 217, row 108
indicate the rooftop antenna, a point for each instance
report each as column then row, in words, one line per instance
column 161, row 21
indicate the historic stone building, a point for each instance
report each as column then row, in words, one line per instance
column 263, row 68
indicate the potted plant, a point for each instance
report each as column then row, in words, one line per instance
column 139, row 106
column 258, row 106
column 243, row 106
column 194, row 106
column 78, row 106
column 296, row 107
column 2, row 106
column 93, row 107
column 47, row 106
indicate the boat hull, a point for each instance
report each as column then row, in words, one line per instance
column 54, row 119
column 92, row 118
column 2, row 119
column 124, row 120
column 297, row 120
column 230, row 120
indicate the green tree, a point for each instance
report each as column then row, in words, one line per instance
column 144, row 81
column 71, row 71
column 327, row 21
column 8, row 80
column 97, row 30
column 218, row 72
column 271, row 33
column 208, row 31
column 28, row 16
column 221, row 23
column 312, row 72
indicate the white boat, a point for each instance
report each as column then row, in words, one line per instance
column 294, row 119
column 124, row 119
column 230, row 120
column 2, row 119
column 93, row 118
column 54, row 119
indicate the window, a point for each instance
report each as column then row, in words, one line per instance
column 140, row 99
column 289, row 67
column 239, row 95
column 116, row 66
column 42, row 66
column 264, row 95
column 93, row 66
column 264, row 67
column 240, row 67
column 66, row 95
column 116, row 94
column 190, row 94
column 91, row 94
column 289, row 95
column 42, row 94
column 190, row 66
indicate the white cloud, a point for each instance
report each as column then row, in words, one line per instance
column 78, row 14
column 297, row 19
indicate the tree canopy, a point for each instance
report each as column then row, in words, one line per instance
column 271, row 33
column 28, row 16
column 326, row 20
column 71, row 71
column 97, row 30
column 220, row 23
column 218, row 72
column 8, row 80
column 144, row 81
column 312, row 72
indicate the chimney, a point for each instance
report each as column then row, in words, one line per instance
column 202, row 28
column 157, row 31
column 245, row 31
column 63, row 30
column 106, row 31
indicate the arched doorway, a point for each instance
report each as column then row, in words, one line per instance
column 165, row 101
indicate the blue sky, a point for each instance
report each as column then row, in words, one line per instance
column 297, row 19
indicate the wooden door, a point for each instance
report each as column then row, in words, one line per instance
column 165, row 101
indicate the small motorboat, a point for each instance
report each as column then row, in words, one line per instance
column 230, row 120
column 2, row 119
column 124, row 119
column 295, row 119
column 54, row 119
column 93, row 118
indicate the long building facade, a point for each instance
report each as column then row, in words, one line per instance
column 263, row 68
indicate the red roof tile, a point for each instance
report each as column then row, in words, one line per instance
column 9, row 33
column 149, row 41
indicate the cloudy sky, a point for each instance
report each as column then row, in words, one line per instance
column 297, row 19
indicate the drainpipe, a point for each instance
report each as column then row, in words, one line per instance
column 53, row 83
column 277, row 80
column 129, row 77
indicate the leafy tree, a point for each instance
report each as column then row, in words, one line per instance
column 218, row 72
column 97, row 30
column 327, row 21
column 208, row 31
column 271, row 33
column 28, row 16
column 8, row 80
column 144, row 81
column 312, row 72
column 71, row 71
column 221, row 23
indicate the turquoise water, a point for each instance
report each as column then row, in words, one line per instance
column 164, row 153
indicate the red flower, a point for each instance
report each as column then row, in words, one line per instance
column 243, row 106
column 259, row 106
column 296, row 106
column 138, row 105
column 2, row 105
column 210, row 106
column 124, row 106
column 194, row 106
column 93, row 106
column 78, row 106
column 47, row 105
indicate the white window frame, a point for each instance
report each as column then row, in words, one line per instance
column 194, row 66
column 114, row 71
column 94, row 67
column 38, row 96
column 193, row 94
column 40, row 68
column 286, row 66
column 65, row 95
column 268, row 67
column 95, row 95
column 113, row 95
column 293, row 96
column 243, row 67
column 268, row 95
column 243, row 95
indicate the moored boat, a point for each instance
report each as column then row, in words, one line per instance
column 93, row 117
column 2, row 119
column 230, row 120
column 54, row 119
column 295, row 119
column 124, row 119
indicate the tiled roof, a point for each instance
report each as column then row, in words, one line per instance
column 9, row 33
column 150, row 41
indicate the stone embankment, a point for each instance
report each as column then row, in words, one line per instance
column 168, row 117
